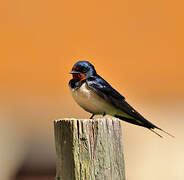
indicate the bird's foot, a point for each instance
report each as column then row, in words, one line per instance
column 92, row 116
column 103, row 114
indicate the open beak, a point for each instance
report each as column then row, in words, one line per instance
column 74, row 72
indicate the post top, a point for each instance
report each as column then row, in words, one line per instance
column 96, row 119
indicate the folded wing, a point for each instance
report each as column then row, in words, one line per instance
column 104, row 90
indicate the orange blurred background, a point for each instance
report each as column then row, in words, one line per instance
column 137, row 46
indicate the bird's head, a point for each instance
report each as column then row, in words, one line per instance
column 82, row 70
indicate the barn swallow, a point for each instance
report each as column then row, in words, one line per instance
column 98, row 97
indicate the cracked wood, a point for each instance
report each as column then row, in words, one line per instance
column 89, row 149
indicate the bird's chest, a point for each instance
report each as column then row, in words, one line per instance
column 89, row 100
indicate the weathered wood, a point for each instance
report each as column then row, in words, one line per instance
column 89, row 149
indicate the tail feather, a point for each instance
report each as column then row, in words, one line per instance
column 165, row 132
column 156, row 133
column 144, row 123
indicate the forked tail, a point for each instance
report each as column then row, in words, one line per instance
column 144, row 123
column 162, row 131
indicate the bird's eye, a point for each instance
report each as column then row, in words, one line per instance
column 84, row 70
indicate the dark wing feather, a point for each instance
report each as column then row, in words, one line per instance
column 104, row 90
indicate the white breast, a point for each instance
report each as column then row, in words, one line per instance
column 91, row 102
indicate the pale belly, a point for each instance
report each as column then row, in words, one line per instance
column 91, row 102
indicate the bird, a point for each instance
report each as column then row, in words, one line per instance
column 96, row 96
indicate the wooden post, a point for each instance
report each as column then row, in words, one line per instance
column 89, row 149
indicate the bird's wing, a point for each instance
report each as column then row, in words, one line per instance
column 104, row 90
